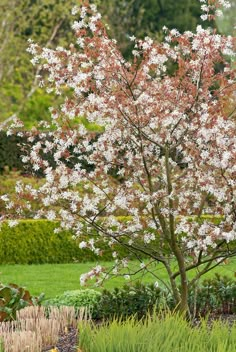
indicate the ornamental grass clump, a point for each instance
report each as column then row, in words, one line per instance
column 25, row 341
column 37, row 327
column 164, row 334
column 167, row 133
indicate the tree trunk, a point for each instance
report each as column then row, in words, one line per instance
column 182, row 307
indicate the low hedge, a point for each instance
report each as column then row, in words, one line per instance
column 34, row 242
column 216, row 295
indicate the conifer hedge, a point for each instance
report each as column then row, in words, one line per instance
column 35, row 242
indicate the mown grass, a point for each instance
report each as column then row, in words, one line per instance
column 54, row 279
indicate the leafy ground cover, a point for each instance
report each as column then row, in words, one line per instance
column 54, row 279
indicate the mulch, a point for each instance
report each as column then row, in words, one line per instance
column 225, row 318
column 67, row 342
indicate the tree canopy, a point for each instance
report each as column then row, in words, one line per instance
column 169, row 136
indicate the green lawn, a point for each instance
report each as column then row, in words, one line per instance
column 54, row 279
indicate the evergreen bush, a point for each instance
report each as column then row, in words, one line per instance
column 35, row 242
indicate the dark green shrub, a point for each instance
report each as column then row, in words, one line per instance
column 135, row 300
column 10, row 152
column 216, row 295
column 13, row 298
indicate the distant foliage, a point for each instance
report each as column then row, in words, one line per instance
column 10, row 152
column 147, row 18
column 46, row 20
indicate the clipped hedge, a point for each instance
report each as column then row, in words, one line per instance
column 34, row 242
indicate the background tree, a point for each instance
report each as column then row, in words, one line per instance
column 147, row 18
column 226, row 23
column 48, row 21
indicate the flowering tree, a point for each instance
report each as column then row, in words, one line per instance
column 168, row 137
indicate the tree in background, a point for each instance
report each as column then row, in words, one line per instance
column 142, row 18
column 169, row 137
column 48, row 22
column 226, row 23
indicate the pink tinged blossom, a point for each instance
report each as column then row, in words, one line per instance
column 83, row 244
column 51, row 215
column 12, row 223
column 168, row 139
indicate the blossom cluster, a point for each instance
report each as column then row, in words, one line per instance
column 212, row 9
column 168, row 136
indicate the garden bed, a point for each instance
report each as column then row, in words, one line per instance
column 68, row 340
